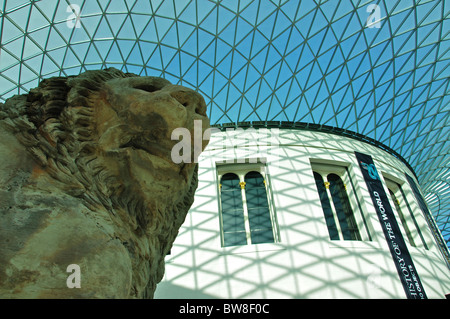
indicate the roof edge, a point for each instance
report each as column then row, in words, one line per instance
column 317, row 128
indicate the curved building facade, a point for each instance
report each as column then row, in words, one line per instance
column 290, row 211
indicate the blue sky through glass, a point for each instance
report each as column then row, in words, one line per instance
column 382, row 71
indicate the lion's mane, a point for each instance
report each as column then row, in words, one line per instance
column 54, row 122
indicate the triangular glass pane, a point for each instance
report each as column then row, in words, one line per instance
column 126, row 30
column 26, row 74
column 9, row 31
column 135, row 56
column 36, row 20
column 224, row 18
column 125, row 47
column 114, row 54
column 103, row 31
column 116, row 23
column 92, row 56
column 103, row 47
column 18, row 17
column 70, row 59
column 189, row 13
column 142, row 6
column 162, row 26
column 79, row 35
column 150, row 34
column 7, row 60
column 48, row 65
column 174, row 66
column 116, row 7
column 139, row 22
column 34, row 63
column 244, row 29
column 30, row 49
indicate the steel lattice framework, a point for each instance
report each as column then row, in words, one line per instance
column 378, row 68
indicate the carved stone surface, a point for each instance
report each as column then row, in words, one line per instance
column 87, row 179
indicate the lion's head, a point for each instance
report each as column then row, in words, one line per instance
column 105, row 137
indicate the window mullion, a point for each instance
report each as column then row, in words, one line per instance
column 244, row 203
column 222, row 237
column 354, row 218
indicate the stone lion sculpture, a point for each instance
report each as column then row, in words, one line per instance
column 87, row 179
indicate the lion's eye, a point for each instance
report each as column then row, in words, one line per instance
column 147, row 87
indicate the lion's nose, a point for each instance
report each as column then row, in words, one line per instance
column 191, row 100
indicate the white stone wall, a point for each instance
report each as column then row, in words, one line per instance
column 305, row 263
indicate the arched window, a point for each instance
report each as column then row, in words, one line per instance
column 247, row 216
column 326, row 206
column 343, row 209
column 402, row 217
column 233, row 225
column 261, row 230
column 408, row 220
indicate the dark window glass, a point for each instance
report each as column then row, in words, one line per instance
column 344, row 212
column 258, row 209
column 326, row 207
column 232, row 211
column 402, row 218
column 413, row 218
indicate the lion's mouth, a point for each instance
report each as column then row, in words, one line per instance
column 151, row 148
column 157, row 150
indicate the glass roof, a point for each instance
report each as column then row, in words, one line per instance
column 379, row 68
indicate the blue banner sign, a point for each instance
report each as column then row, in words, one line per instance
column 397, row 246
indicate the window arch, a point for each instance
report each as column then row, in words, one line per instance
column 234, row 232
column 261, row 230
